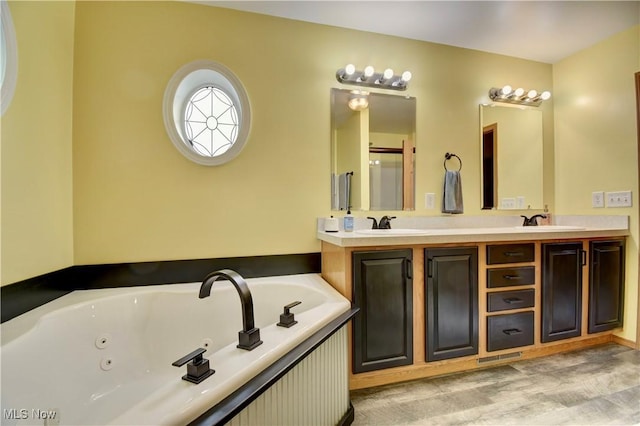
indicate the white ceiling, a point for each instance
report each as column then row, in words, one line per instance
column 544, row 31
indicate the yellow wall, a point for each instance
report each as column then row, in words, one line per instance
column 95, row 73
column 37, row 220
column 136, row 198
column 387, row 140
column 596, row 139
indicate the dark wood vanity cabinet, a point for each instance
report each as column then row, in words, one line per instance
column 510, row 267
column 606, row 285
column 561, row 290
column 383, row 290
column 451, row 302
column 510, row 331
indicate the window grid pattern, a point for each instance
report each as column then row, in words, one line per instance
column 211, row 121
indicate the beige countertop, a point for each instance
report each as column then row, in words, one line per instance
column 443, row 230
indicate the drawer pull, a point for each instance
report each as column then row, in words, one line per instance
column 511, row 277
column 512, row 331
column 512, row 300
column 513, row 253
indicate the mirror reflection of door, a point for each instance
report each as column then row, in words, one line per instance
column 512, row 165
column 489, row 166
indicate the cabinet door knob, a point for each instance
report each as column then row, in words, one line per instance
column 512, row 300
column 512, row 331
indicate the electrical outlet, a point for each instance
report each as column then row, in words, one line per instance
column 618, row 199
column 520, row 202
column 508, row 203
column 429, row 200
column 597, row 199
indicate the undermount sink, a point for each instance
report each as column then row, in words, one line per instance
column 398, row 231
column 549, row 228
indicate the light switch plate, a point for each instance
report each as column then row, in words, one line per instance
column 597, row 199
column 508, row 203
column 618, row 199
column 429, row 200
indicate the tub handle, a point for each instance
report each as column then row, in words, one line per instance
column 198, row 370
column 286, row 318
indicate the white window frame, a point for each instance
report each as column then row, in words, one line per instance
column 9, row 58
column 179, row 90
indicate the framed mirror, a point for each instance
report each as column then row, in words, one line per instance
column 511, row 146
column 372, row 151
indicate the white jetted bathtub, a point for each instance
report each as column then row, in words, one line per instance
column 105, row 356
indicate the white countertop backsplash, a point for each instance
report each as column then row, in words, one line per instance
column 468, row 229
column 616, row 222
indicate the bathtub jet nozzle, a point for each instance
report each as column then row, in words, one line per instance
column 249, row 337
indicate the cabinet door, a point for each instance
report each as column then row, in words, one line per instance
column 451, row 302
column 383, row 290
column 606, row 285
column 561, row 291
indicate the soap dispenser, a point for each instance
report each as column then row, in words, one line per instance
column 348, row 222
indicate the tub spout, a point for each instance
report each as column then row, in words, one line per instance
column 249, row 337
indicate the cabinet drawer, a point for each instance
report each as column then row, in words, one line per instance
column 509, row 331
column 506, row 300
column 509, row 277
column 510, row 253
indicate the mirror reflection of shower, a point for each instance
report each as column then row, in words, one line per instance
column 387, row 123
column 385, row 180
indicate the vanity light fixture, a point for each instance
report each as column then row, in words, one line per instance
column 370, row 78
column 518, row 96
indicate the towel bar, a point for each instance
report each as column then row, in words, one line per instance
column 448, row 156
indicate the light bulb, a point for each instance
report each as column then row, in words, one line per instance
column 349, row 69
column 545, row 95
column 532, row 94
column 368, row 71
column 358, row 103
column 388, row 73
column 518, row 92
column 506, row 90
column 406, row 76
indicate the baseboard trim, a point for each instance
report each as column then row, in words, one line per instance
column 470, row 363
column 624, row 342
column 23, row 296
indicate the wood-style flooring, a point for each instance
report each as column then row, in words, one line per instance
column 594, row 386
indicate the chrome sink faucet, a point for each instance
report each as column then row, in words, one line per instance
column 249, row 337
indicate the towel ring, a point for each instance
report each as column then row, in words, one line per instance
column 448, row 156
